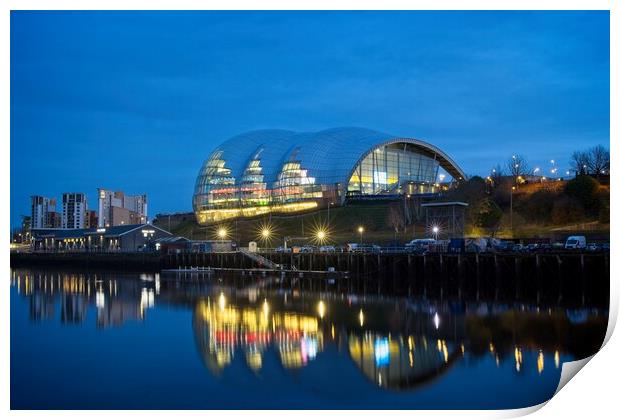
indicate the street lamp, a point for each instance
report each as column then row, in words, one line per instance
column 361, row 232
column 265, row 234
column 511, row 191
column 221, row 233
column 329, row 204
column 436, row 231
column 320, row 235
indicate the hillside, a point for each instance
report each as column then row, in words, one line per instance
column 342, row 226
column 551, row 210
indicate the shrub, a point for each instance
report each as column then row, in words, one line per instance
column 488, row 214
column 584, row 188
column 538, row 206
column 567, row 210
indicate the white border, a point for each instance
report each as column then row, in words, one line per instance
column 593, row 394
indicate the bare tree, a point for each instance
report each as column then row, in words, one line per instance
column 396, row 218
column 598, row 161
column 496, row 175
column 579, row 162
column 517, row 166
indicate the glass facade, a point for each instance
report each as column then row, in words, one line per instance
column 278, row 171
column 394, row 169
column 215, row 186
column 253, row 188
column 293, row 184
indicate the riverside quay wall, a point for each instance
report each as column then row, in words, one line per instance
column 563, row 277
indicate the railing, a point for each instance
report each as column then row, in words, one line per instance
column 259, row 259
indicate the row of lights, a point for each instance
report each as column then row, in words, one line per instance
column 320, row 235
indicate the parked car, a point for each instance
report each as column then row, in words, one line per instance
column 575, row 242
column 367, row 248
column 532, row 247
column 505, row 246
column 350, row 247
column 545, row 248
column 327, row 248
column 420, row 245
column 308, row 248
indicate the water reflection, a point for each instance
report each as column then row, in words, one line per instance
column 116, row 302
column 223, row 331
column 396, row 344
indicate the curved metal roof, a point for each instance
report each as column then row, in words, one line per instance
column 329, row 155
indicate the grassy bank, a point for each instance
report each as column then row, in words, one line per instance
column 344, row 222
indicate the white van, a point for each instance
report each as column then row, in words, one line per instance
column 575, row 242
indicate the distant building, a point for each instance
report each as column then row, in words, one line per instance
column 127, row 238
column 26, row 224
column 116, row 208
column 91, row 219
column 41, row 211
column 22, row 234
column 74, row 208
column 55, row 220
column 445, row 219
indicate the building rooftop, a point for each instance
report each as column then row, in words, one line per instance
column 106, row 232
column 445, row 203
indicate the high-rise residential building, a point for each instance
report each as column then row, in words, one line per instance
column 91, row 219
column 42, row 209
column 116, row 208
column 74, row 206
column 54, row 220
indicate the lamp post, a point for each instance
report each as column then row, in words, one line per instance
column 266, row 234
column 329, row 204
column 436, row 231
column 221, row 233
column 361, row 232
column 511, row 191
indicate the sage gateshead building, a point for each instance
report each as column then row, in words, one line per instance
column 281, row 171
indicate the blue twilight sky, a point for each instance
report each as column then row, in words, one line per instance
column 135, row 101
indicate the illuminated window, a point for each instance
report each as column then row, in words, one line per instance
column 253, row 189
column 394, row 169
column 215, row 187
column 294, row 184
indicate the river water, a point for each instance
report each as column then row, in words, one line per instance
column 158, row 341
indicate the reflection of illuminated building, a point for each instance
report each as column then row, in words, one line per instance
column 423, row 341
column 223, row 330
column 73, row 308
column 118, row 311
column 399, row 363
column 115, row 302
column 41, row 306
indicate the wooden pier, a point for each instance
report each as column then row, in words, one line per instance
column 578, row 278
